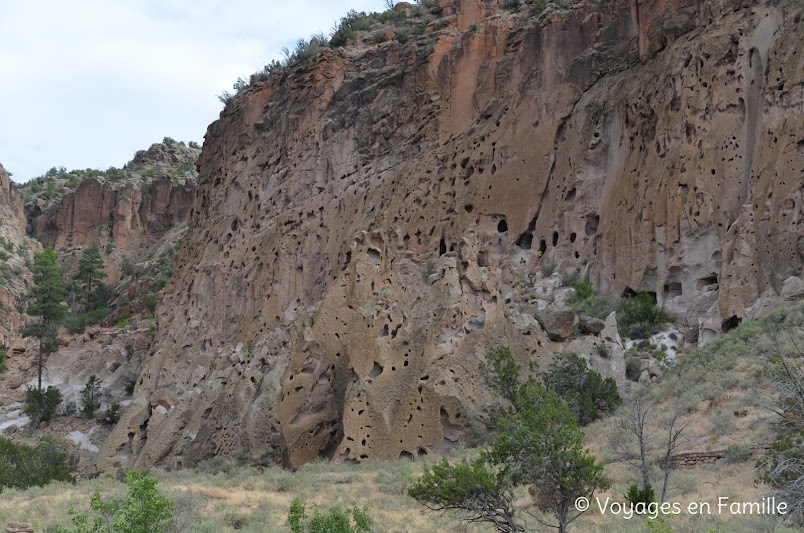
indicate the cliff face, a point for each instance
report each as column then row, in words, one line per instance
column 128, row 217
column 363, row 223
column 15, row 249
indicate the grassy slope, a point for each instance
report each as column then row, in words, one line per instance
column 711, row 383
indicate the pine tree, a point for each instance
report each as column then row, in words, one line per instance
column 91, row 271
column 45, row 301
column 90, row 395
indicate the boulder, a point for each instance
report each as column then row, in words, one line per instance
column 610, row 333
column 590, row 325
column 558, row 322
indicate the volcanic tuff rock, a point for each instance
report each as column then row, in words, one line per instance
column 15, row 250
column 129, row 215
column 364, row 220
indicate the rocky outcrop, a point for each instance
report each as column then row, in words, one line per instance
column 16, row 251
column 127, row 219
column 126, row 211
column 364, row 220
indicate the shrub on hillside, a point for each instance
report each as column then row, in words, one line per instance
column 336, row 520
column 633, row 368
column 641, row 309
column 24, row 466
column 76, row 324
column 111, row 416
column 3, row 358
column 586, row 392
column 595, row 305
column 91, row 396
column 143, row 510
column 40, row 405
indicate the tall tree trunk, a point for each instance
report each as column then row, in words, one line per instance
column 40, row 362
column 643, row 454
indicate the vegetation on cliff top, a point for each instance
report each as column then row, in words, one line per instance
column 406, row 21
column 57, row 182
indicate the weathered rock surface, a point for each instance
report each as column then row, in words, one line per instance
column 363, row 221
column 591, row 325
column 126, row 211
column 15, row 249
column 129, row 219
column 558, row 322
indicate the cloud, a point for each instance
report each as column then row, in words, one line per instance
column 87, row 83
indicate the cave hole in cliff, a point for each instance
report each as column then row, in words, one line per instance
column 707, row 282
column 374, row 255
column 376, row 370
column 592, row 222
column 525, row 241
column 442, row 246
column 483, row 258
column 571, row 195
column 573, row 236
column 628, row 292
column 469, row 208
column 348, row 260
column 502, row 226
column 555, row 238
column 406, row 455
column 542, row 246
column 421, row 452
column 672, row 289
column 730, row 323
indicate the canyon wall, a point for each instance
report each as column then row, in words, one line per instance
column 365, row 221
column 126, row 217
column 16, row 251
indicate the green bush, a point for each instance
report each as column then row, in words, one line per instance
column 3, row 358
column 76, row 324
column 149, row 301
column 603, row 350
column 641, row 309
column 547, row 269
column 111, row 416
column 90, row 395
column 126, row 268
column 585, row 391
column 640, row 330
column 336, row 520
column 738, row 453
column 40, row 405
column 501, row 372
column 633, row 368
column 583, row 290
column 636, row 495
column 123, row 322
column 24, row 466
column 595, row 304
column 143, row 510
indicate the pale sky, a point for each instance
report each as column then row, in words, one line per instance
column 87, row 83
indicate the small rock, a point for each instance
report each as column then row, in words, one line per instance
column 644, row 377
column 20, row 527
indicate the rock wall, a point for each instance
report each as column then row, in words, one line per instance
column 15, row 249
column 365, row 221
column 129, row 218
